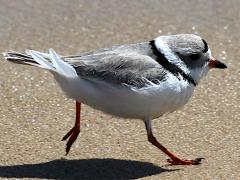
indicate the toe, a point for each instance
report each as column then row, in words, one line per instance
column 196, row 161
column 71, row 140
column 68, row 134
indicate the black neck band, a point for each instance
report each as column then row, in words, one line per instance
column 175, row 70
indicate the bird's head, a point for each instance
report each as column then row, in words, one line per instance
column 188, row 52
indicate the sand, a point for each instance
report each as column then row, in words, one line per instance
column 35, row 114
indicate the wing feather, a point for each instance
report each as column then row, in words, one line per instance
column 130, row 69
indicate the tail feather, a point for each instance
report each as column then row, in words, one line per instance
column 19, row 58
column 62, row 66
column 52, row 61
column 43, row 63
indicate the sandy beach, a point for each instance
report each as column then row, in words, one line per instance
column 35, row 113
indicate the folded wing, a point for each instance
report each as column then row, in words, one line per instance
column 132, row 69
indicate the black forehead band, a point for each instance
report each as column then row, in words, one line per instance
column 205, row 46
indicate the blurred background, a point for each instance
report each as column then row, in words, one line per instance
column 35, row 114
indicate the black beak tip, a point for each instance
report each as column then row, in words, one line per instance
column 221, row 65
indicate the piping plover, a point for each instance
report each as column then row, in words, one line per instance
column 139, row 81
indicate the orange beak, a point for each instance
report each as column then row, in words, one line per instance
column 214, row 63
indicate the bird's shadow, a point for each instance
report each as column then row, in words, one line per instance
column 83, row 169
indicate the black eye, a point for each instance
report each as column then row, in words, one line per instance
column 194, row 56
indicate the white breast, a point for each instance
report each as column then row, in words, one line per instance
column 152, row 101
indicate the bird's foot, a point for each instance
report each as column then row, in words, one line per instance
column 72, row 135
column 177, row 161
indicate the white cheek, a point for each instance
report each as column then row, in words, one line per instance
column 209, row 54
column 205, row 70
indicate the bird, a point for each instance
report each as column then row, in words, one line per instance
column 141, row 81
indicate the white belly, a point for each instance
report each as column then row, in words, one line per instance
column 122, row 101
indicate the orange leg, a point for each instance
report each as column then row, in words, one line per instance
column 74, row 132
column 174, row 160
